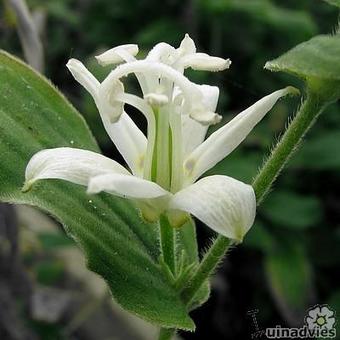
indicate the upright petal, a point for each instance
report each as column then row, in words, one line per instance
column 222, row 142
column 126, row 186
column 84, row 77
column 69, row 164
column 187, row 45
column 194, row 132
column 224, row 204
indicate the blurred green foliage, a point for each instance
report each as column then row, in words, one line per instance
column 297, row 234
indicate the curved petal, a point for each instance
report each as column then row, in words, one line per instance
column 192, row 96
column 205, row 62
column 128, row 138
column 224, row 204
column 69, row 164
column 162, row 52
column 117, row 54
column 222, row 142
column 125, row 186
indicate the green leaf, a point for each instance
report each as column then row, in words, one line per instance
column 333, row 2
column 288, row 209
column 117, row 245
column 317, row 62
column 289, row 274
column 317, row 57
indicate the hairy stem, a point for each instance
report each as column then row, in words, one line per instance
column 283, row 150
column 206, row 268
column 167, row 238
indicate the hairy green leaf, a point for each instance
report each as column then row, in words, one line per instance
column 117, row 244
column 317, row 57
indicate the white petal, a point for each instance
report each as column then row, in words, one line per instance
column 187, row 45
column 325, row 311
column 107, row 103
column 104, row 96
column 117, row 54
column 204, row 62
column 69, row 164
column 126, row 186
column 162, row 52
column 130, row 142
column 191, row 94
column 83, row 76
column 222, row 142
column 224, row 204
column 193, row 133
column 210, row 96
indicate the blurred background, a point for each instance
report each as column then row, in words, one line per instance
column 290, row 259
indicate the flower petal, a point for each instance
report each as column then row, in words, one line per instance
column 107, row 103
column 326, row 312
column 222, row 142
column 104, row 96
column 125, row 186
column 162, row 52
column 205, row 62
column 128, row 138
column 192, row 96
column 117, row 54
column 193, row 132
column 69, row 164
column 83, row 76
column 130, row 142
column 224, row 204
column 187, row 45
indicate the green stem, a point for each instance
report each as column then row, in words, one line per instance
column 284, row 149
column 166, row 334
column 206, row 267
column 301, row 123
column 167, row 236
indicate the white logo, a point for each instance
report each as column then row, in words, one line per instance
column 320, row 316
column 319, row 323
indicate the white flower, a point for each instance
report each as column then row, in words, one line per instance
column 320, row 316
column 165, row 166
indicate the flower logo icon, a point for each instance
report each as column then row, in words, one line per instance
column 320, row 316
